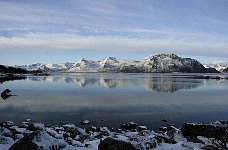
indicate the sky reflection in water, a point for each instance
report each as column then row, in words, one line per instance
column 113, row 99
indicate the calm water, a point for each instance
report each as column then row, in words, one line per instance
column 113, row 99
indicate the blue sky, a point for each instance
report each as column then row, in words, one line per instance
column 51, row 31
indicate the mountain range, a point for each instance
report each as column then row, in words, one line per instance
column 162, row 63
column 47, row 67
column 218, row 65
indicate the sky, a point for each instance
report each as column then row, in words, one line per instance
column 51, row 31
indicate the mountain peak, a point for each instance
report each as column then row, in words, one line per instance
column 173, row 56
column 154, row 63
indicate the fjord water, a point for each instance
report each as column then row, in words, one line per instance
column 111, row 99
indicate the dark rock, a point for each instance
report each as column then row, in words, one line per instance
column 69, row 140
column 35, row 126
column 91, row 129
column 218, row 78
column 71, row 131
column 130, row 126
column 6, row 94
column 205, row 130
column 212, row 147
column 7, row 124
column 194, row 139
column 17, row 130
column 112, row 129
column 170, row 128
column 163, row 129
column 119, row 130
column 25, row 143
column 87, row 145
column 141, row 128
column 58, row 129
column 112, row 144
column 44, row 140
column 161, row 139
column 6, row 140
column 123, row 127
column 171, row 132
column 222, row 121
column 24, row 125
column 84, row 122
column 67, row 127
column 6, row 132
column 160, row 132
column 83, row 137
column 102, row 134
column 207, row 77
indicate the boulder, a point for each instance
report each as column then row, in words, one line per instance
column 36, row 126
column 219, row 132
column 25, row 143
column 7, row 124
column 141, row 128
column 39, row 140
column 84, row 122
column 112, row 144
column 131, row 126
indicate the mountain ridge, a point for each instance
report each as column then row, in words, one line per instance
column 161, row 63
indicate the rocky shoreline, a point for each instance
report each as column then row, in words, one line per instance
column 31, row 135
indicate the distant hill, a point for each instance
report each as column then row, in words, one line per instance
column 5, row 69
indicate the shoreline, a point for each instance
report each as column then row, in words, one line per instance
column 31, row 135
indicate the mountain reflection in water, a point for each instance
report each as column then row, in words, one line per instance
column 111, row 99
column 160, row 83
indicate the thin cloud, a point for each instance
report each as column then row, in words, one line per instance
column 60, row 42
column 145, row 26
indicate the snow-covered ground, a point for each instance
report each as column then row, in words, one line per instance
column 32, row 135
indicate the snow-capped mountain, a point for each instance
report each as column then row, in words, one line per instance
column 156, row 63
column 30, row 67
column 218, row 65
column 109, row 64
column 84, row 65
column 171, row 63
column 47, row 67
